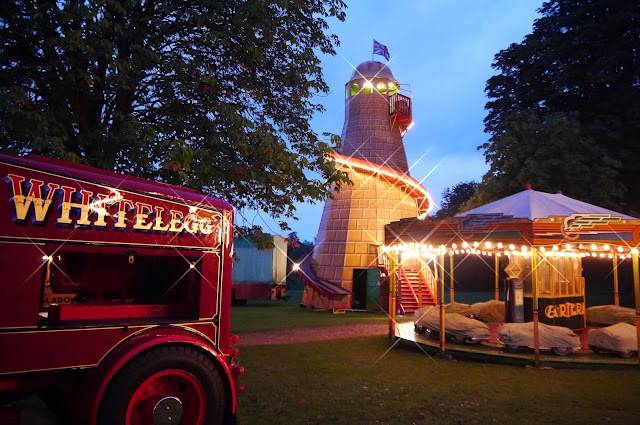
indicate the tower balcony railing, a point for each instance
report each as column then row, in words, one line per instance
column 400, row 104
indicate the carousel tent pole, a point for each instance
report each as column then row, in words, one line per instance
column 442, row 324
column 636, row 287
column 451, row 290
column 616, row 295
column 497, row 278
column 392, row 294
column 536, row 334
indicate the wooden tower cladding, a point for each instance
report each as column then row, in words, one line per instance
column 351, row 230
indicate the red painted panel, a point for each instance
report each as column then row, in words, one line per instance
column 70, row 348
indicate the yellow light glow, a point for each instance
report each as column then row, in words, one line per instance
column 620, row 249
column 568, row 246
column 543, row 249
column 465, row 245
column 454, row 246
column 192, row 266
column 475, row 244
column 512, row 247
column 524, row 248
column 488, row 245
column 634, row 251
column 295, row 267
column 606, row 247
column 593, row 247
column 500, row 245
column 555, row 248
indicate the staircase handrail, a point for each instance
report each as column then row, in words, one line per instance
column 428, row 284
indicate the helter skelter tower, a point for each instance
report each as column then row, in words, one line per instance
column 351, row 231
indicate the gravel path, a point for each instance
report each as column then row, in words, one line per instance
column 292, row 336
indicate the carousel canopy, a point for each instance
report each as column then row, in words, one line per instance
column 532, row 204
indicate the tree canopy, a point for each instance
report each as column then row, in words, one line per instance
column 211, row 94
column 564, row 108
column 454, row 198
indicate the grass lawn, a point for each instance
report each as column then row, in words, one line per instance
column 354, row 382
column 275, row 315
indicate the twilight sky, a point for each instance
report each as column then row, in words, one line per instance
column 443, row 49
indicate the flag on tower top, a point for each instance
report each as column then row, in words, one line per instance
column 380, row 49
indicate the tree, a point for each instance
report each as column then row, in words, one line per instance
column 454, row 198
column 214, row 95
column 564, row 108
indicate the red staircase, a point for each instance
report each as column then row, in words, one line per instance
column 410, row 280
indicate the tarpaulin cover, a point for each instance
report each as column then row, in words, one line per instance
column 533, row 204
column 610, row 315
column 521, row 334
column 460, row 308
column 429, row 317
column 619, row 337
column 489, row 311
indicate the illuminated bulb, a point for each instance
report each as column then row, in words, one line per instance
column 602, row 255
column 465, row 245
column 512, row 247
column 454, row 246
column 192, row 266
column 555, row 248
column 593, row 247
column 610, row 255
column 620, row 249
column 500, row 245
column 430, row 248
column 524, row 248
column 490, row 254
column 593, row 254
column 622, row 257
column 580, row 246
column 542, row 249
column 412, row 245
column 606, row 247
column 475, row 244
column 568, row 246
column 295, row 267
column 498, row 254
column 634, row 251
column 488, row 245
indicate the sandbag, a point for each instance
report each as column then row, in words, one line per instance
column 610, row 315
column 429, row 317
column 521, row 334
column 460, row 308
column 489, row 311
column 620, row 337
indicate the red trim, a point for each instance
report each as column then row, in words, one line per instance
column 403, row 180
column 65, row 312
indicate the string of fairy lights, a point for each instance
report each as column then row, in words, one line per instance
column 499, row 249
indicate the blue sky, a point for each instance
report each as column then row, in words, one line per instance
column 443, row 49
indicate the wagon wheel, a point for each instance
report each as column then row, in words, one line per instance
column 595, row 349
column 166, row 385
column 626, row 354
column 460, row 339
column 512, row 348
column 428, row 333
column 561, row 351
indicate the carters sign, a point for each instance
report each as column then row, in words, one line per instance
column 69, row 203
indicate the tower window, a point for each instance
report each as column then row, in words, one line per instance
column 355, row 89
column 382, row 88
column 393, row 89
column 368, row 87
